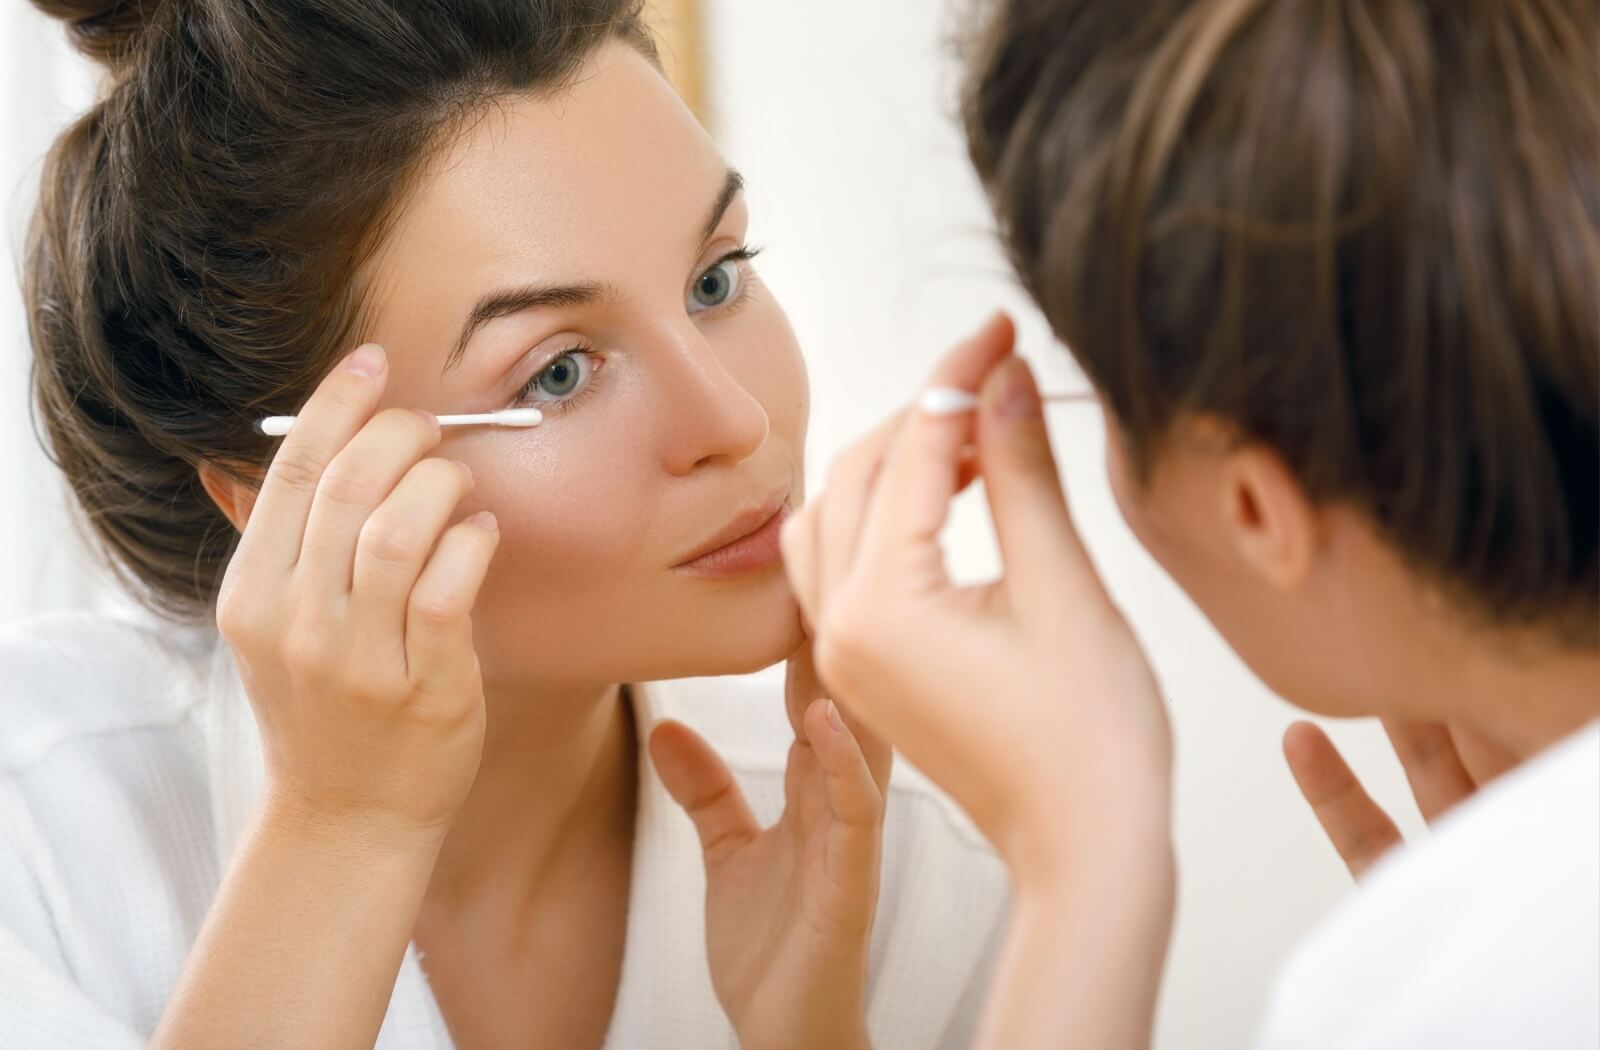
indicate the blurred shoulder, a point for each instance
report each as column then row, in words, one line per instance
column 1481, row 934
column 71, row 674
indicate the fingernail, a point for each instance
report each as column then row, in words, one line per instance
column 833, row 717
column 427, row 417
column 485, row 520
column 947, row 401
column 366, row 361
column 1019, row 397
column 466, row 471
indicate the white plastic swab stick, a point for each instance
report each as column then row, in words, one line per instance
column 950, row 401
column 277, row 426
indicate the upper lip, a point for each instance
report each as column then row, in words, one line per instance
column 744, row 523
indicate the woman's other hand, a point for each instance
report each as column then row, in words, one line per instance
column 1443, row 764
column 1027, row 698
column 789, row 908
column 348, row 608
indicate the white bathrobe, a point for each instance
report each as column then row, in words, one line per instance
column 130, row 762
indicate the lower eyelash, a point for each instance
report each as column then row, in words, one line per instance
column 557, row 407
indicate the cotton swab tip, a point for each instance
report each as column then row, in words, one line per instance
column 947, row 401
column 518, row 417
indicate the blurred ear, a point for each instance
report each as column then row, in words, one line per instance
column 234, row 498
column 1270, row 522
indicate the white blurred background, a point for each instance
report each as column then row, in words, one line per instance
column 840, row 115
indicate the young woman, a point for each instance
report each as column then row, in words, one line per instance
column 1331, row 268
column 389, row 784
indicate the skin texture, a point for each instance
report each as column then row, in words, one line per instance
column 1071, row 775
column 433, row 625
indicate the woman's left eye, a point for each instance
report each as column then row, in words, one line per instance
column 717, row 286
column 560, row 380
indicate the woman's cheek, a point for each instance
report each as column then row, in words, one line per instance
column 775, row 373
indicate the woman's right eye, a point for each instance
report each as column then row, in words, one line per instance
column 560, row 380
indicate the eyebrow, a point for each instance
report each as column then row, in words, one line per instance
column 508, row 301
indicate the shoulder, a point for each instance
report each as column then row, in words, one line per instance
column 68, row 675
column 1481, row 935
column 106, row 856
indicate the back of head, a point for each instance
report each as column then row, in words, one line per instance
column 193, row 262
column 1363, row 232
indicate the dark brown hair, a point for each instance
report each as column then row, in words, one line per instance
column 1365, row 233
column 192, row 263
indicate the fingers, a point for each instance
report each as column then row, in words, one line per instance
column 801, row 686
column 1433, row 767
column 923, row 467
column 1359, row 830
column 397, row 538
column 699, row 781
column 1039, row 544
column 333, row 415
column 843, row 507
column 438, row 617
column 803, row 689
column 819, row 542
column 855, row 799
column 853, row 794
column 361, row 476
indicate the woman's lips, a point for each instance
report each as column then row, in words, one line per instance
column 752, row 548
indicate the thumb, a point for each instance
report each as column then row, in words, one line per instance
column 699, row 781
column 1039, row 545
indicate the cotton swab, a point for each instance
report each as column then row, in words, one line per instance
column 277, row 426
column 950, row 401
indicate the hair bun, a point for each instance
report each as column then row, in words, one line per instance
column 105, row 30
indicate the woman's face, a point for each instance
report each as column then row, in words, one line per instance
column 581, row 252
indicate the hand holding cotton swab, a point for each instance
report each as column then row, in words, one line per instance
column 277, row 426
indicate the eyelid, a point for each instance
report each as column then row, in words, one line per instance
column 560, row 345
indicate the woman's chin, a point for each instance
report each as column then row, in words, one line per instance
column 740, row 634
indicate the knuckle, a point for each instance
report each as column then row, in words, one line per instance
column 345, row 485
column 238, row 622
column 429, row 713
column 451, row 475
column 833, row 652
column 405, row 423
column 297, row 469
column 434, row 610
column 308, row 650
column 390, row 542
column 345, row 396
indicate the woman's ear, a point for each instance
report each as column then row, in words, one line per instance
column 1271, row 523
column 234, row 498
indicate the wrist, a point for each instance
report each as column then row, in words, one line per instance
column 856, row 1040
column 1095, row 843
column 372, row 835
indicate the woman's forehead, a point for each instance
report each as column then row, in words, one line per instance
column 561, row 187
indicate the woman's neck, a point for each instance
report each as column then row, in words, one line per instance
column 1518, row 693
column 557, row 782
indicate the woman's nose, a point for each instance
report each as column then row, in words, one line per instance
column 715, row 418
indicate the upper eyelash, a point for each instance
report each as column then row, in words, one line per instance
column 744, row 253
column 533, row 380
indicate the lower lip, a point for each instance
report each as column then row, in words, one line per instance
column 757, row 552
